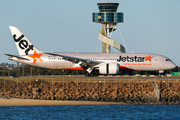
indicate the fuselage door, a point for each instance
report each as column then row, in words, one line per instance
column 155, row 60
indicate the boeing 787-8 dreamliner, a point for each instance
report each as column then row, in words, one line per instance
column 105, row 63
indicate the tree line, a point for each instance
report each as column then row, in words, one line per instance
column 28, row 70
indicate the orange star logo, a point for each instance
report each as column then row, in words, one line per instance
column 36, row 57
column 148, row 58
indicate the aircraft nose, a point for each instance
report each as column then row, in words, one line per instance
column 173, row 65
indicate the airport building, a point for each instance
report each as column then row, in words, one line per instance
column 108, row 17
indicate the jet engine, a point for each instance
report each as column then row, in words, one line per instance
column 109, row 68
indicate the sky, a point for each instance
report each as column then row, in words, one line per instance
column 150, row 26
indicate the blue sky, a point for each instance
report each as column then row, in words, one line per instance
column 150, row 26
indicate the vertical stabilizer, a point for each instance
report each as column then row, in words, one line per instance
column 24, row 46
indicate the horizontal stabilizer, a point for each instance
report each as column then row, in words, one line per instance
column 18, row 57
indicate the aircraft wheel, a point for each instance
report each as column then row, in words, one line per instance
column 87, row 74
column 93, row 75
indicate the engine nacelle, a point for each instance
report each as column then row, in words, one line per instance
column 109, row 68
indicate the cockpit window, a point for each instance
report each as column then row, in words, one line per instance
column 168, row 60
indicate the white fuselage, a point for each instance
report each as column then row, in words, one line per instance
column 136, row 62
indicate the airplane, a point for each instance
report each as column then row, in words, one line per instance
column 105, row 63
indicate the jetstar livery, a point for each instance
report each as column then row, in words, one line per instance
column 105, row 63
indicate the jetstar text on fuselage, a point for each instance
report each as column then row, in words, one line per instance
column 133, row 59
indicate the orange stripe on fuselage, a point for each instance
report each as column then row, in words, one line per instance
column 80, row 69
column 123, row 68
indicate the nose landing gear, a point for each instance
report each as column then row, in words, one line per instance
column 160, row 71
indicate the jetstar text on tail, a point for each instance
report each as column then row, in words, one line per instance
column 134, row 59
column 23, row 44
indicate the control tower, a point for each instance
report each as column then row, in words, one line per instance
column 108, row 17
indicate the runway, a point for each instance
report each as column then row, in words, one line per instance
column 83, row 77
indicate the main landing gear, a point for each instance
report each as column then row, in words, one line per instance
column 92, row 74
column 160, row 71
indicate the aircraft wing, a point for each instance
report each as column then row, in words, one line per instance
column 83, row 62
column 18, row 57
